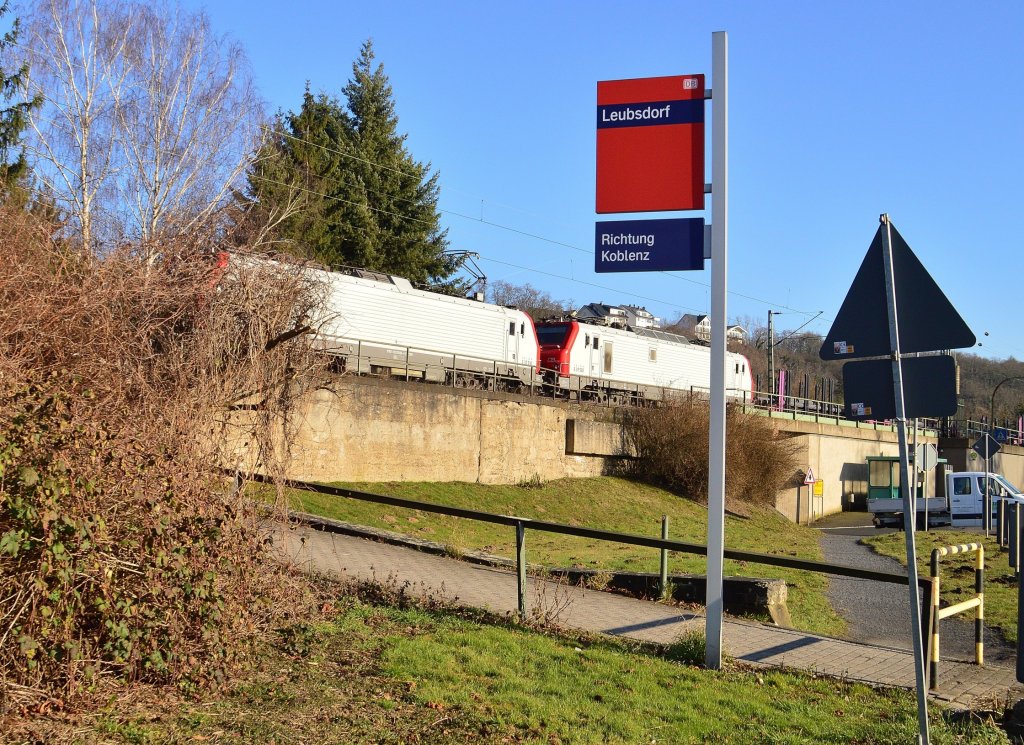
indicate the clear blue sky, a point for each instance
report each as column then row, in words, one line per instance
column 838, row 112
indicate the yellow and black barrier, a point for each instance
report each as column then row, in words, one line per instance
column 977, row 602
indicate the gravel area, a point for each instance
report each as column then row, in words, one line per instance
column 879, row 613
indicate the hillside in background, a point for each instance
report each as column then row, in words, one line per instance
column 797, row 354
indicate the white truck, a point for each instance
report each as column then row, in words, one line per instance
column 959, row 499
column 965, row 491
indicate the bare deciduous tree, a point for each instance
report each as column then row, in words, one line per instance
column 528, row 298
column 68, row 50
column 148, row 122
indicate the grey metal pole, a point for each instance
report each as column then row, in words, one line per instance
column 987, row 503
column 719, row 284
column 933, row 472
column 521, row 568
column 771, row 361
column 909, row 518
column 664, row 558
column 917, row 464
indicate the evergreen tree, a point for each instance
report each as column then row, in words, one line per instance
column 14, row 169
column 299, row 165
column 366, row 201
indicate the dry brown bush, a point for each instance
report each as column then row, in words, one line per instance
column 122, row 554
column 671, row 444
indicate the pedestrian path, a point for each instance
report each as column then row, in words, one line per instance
column 963, row 685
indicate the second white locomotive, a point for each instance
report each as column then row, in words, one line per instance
column 627, row 365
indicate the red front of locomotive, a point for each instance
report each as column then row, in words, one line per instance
column 556, row 339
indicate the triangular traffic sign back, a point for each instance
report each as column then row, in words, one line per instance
column 927, row 320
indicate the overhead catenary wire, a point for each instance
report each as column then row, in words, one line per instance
column 482, row 257
column 588, row 284
column 507, row 228
column 529, row 235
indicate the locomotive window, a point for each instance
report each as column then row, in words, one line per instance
column 522, row 329
column 511, row 328
column 548, row 335
column 737, row 369
column 653, row 354
column 595, row 342
column 586, row 341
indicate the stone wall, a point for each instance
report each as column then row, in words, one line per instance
column 379, row 430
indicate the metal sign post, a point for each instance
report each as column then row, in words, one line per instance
column 891, row 387
column 719, row 275
column 913, row 489
column 909, row 516
column 650, row 158
column 988, row 497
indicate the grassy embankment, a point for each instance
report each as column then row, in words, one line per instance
column 609, row 503
column 366, row 673
column 957, row 573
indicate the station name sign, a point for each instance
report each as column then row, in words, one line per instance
column 650, row 144
column 649, row 245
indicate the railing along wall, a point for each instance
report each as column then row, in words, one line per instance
column 522, row 524
column 758, row 402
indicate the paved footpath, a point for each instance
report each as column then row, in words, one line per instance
column 963, row 685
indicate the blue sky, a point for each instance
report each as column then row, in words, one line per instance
column 838, row 112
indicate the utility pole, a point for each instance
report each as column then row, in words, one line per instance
column 771, row 358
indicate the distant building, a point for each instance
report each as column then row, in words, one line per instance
column 609, row 315
column 641, row 318
column 699, row 326
column 736, row 333
column 619, row 315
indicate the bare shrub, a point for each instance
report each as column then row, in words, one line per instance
column 671, row 443
column 122, row 553
column 553, row 598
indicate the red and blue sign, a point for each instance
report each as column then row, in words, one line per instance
column 650, row 144
column 649, row 245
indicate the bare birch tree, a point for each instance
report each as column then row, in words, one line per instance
column 187, row 124
column 69, row 51
column 149, row 119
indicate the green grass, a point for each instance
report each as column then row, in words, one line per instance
column 366, row 673
column 610, row 503
column 956, row 575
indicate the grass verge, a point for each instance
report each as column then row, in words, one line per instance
column 611, row 503
column 957, row 573
column 363, row 672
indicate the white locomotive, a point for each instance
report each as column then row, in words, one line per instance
column 627, row 365
column 378, row 323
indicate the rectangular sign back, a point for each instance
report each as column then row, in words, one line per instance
column 650, row 144
column 929, row 388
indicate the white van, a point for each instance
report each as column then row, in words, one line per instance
column 966, row 493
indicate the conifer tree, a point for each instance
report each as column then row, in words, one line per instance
column 366, row 201
column 14, row 169
column 300, row 165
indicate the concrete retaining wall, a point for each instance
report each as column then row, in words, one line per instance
column 379, row 430
column 376, row 430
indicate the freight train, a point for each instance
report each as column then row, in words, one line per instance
column 380, row 324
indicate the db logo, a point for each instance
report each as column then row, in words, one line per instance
column 689, row 84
